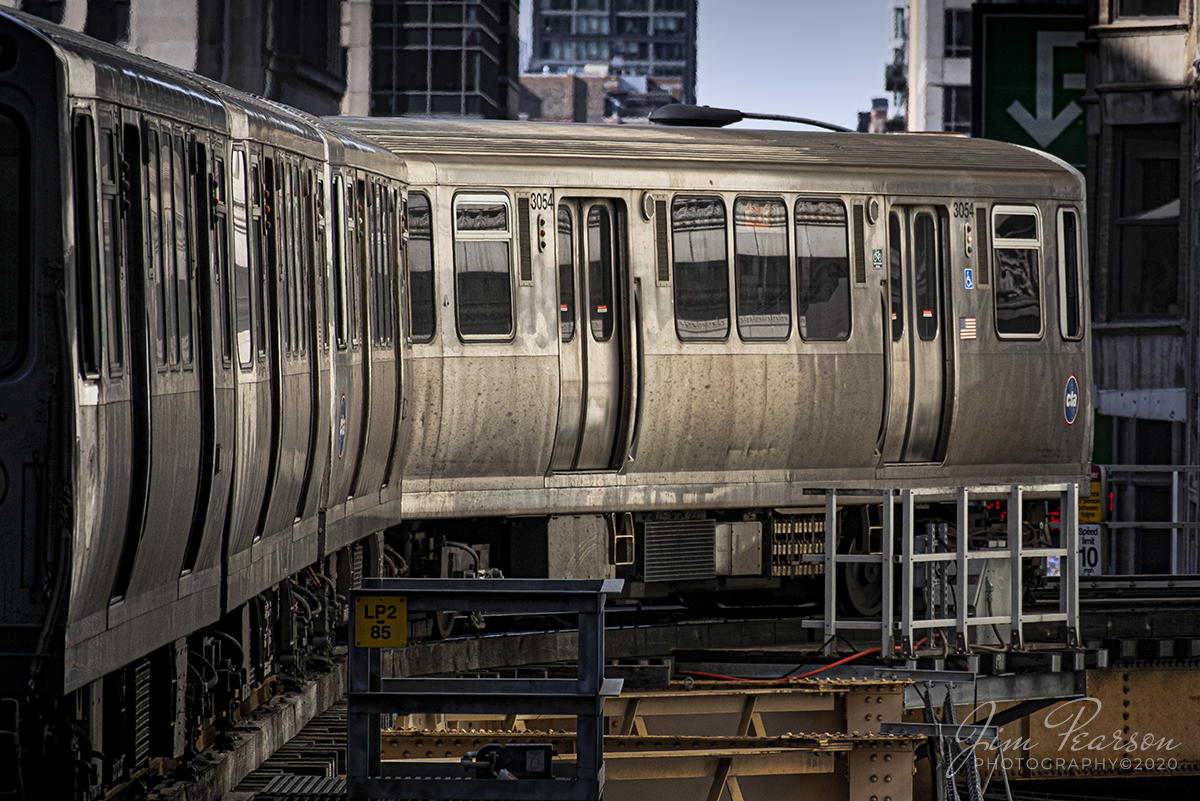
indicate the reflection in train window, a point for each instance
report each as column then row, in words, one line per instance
column 701, row 268
column 420, row 269
column 822, row 270
column 1016, row 247
column 566, row 275
column 482, row 266
column 760, row 258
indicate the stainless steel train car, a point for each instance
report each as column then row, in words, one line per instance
column 634, row 348
column 199, row 355
column 247, row 356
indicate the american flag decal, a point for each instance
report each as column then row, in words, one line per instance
column 966, row 327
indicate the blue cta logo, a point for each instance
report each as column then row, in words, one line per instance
column 1071, row 400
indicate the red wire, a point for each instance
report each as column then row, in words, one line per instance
column 822, row 669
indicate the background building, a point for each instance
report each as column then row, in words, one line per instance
column 285, row 50
column 453, row 57
column 937, row 63
column 651, row 39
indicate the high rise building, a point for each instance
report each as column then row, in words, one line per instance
column 654, row 39
column 936, row 38
column 453, row 57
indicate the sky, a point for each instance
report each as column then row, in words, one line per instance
column 821, row 59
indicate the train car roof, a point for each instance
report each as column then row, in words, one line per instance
column 101, row 70
column 656, row 146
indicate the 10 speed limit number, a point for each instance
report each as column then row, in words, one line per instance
column 380, row 621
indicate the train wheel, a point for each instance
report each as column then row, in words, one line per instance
column 443, row 624
column 864, row 586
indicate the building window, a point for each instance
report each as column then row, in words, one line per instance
column 1124, row 9
column 1145, row 254
column 899, row 28
column 956, row 109
column 958, row 33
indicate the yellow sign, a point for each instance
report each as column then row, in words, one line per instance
column 1091, row 508
column 380, row 621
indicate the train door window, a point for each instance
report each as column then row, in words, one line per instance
column 339, row 261
column 168, row 290
column 1070, row 289
column 154, row 223
column 896, row 262
column 14, row 210
column 926, row 276
column 760, row 259
column 600, row 273
column 1016, row 249
column 421, row 305
column 566, row 275
column 701, row 268
column 300, row 283
column 257, row 260
column 221, row 252
column 316, row 208
column 183, row 272
column 241, row 261
column 358, row 245
column 87, row 273
column 110, row 250
column 822, row 270
column 483, row 266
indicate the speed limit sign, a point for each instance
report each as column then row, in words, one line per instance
column 1089, row 550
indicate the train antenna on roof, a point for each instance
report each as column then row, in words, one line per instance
column 709, row 117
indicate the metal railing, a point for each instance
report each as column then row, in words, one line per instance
column 1124, row 550
column 903, row 630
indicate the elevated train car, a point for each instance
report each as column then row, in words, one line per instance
column 237, row 344
column 198, row 295
column 633, row 349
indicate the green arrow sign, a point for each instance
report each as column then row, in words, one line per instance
column 1029, row 80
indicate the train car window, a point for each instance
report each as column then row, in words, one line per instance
column 566, row 275
column 926, row 276
column 822, row 270
column 421, row 306
column 760, row 259
column 339, row 261
column 1016, row 248
column 895, row 263
column 154, row 223
column 258, row 272
column 14, row 209
column 483, row 265
column 241, row 261
column 110, row 251
column 183, row 274
column 1070, row 291
column 701, row 268
column 221, row 253
column 600, row 273
column 316, row 208
column 87, row 274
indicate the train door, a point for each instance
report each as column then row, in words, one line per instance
column 915, row 359
column 589, row 248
